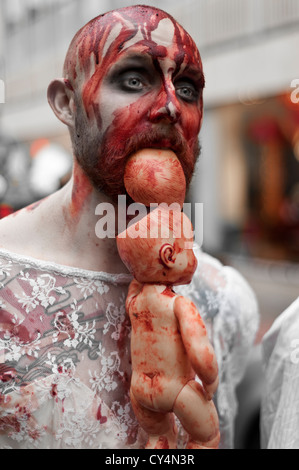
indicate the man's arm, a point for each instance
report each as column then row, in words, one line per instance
column 197, row 344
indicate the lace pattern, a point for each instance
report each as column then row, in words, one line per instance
column 65, row 351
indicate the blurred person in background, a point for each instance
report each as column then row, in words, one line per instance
column 15, row 189
column 132, row 79
column 50, row 167
column 280, row 400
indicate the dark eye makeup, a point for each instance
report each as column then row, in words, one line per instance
column 187, row 90
column 138, row 75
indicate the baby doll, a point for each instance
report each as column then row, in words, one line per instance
column 169, row 342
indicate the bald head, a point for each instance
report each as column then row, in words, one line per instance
column 132, row 79
column 97, row 44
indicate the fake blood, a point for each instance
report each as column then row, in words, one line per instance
column 169, row 292
column 102, row 419
column 81, row 190
column 96, row 48
column 162, row 443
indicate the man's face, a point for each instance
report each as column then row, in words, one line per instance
column 147, row 92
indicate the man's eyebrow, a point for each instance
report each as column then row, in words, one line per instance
column 194, row 72
column 133, row 60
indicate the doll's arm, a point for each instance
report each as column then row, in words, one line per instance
column 197, row 344
column 134, row 289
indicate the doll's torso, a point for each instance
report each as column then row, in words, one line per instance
column 160, row 364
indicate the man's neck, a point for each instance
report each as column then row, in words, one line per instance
column 79, row 210
column 61, row 229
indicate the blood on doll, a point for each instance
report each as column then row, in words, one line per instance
column 153, row 175
column 169, row 341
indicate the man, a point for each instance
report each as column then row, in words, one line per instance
column 133, row 79
column 279, row 410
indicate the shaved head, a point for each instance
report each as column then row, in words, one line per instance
column 95, row 46
column 135, row 79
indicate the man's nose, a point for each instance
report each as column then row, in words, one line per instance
column 166, row 106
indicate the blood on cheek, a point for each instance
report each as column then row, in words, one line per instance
column 128, row 120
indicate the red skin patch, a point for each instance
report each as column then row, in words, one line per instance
column 81, row 191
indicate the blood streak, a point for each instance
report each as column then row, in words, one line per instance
column 54, row 390
column 145, row 319
column 162, row 443
column 100, row 418
column 99, row 41
column 169, row 292
column 82, row 189
column 35, row 205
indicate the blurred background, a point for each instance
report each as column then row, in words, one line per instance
column 248, row 173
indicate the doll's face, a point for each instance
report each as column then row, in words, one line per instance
column 180, row 263
column 141, row 88
column 159, row 259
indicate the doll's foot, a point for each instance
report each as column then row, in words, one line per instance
column 211, row 444
column 161, row 442
column 167, row 440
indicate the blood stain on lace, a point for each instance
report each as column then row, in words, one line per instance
column 54, row 392
column 123, row 335
column 100, row 417
column 7, row 375
column 10, row 422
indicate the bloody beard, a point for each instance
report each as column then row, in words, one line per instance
column 107, row 158
column 102, row 155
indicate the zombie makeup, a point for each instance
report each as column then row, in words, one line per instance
column 138, row 83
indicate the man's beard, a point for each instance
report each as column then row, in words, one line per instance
column 104, row 159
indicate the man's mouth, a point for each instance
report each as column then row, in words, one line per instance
column 164, row 144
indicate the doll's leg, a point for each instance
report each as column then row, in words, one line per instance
column 160, row 427
column 198, row 416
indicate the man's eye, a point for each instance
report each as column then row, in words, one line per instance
column 132, row 83
column 187, row 92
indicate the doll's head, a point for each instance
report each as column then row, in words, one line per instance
column 158, row 248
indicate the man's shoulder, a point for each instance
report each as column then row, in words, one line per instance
column 18, row 229
column 10, row 229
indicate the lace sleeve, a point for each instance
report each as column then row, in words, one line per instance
column 280, row 406
column 229, row 308
column 237, row 322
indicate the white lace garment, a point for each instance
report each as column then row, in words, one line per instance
column 65, row 352
column 280, row 401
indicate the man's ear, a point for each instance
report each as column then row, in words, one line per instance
column 167, row 255
column 61, row 100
